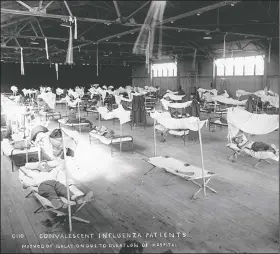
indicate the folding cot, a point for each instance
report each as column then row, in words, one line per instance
column 256, row 124
column 260, row 156
column 8, row 150
column 72, row 125
column 180, row 133
column 48, row 115
column 111, row 141
column 47, row 206
column 178, row 168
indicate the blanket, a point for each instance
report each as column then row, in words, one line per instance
column 257, row 124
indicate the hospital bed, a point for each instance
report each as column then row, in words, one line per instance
column 27, row 152
column 48, row 115
column 93, row 135
column 63, row 121
column 179, row 133
column 260, row 156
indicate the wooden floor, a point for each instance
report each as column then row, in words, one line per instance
column 241, row 217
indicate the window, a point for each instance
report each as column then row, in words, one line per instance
column 220, row 67
column 259, row 65
column 164, row 70
column 249, row 65
column 229, row 66
column 239, row 66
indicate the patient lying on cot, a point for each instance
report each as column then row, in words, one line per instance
column 56, row 192
column 242, row 143
column 50, row 178
column 72, row 118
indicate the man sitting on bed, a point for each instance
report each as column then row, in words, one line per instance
column 50, row 178
column 242, row 143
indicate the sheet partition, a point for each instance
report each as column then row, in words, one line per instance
column 257, row 124
column 120, row 113
column 49, row 98
column 166, row 104
column 168, row 122
column 230, row 101
column 173, row 96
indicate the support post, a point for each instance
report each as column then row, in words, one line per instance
column 121, row 138
column 67, row 185
column 202, row 159
column 155, row 139
column 97, row 60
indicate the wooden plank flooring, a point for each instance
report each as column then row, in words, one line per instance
column 241, row 217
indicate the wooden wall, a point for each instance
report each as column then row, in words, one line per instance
column 141, row 78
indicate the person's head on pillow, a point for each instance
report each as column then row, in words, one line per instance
column 240, row 139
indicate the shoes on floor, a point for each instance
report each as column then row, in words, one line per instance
column 85, row 198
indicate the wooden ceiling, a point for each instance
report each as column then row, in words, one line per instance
column 247, row 26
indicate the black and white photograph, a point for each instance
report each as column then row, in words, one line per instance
column 140, row 126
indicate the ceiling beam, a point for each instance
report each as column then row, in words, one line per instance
column 117, row 9
column 47, row 5
column 14, row 22
column 53, row 16
column 26, row 6
column 68, row 9
column 132, row 43
column 40, row 4
column 88, row 41
column 140, row 8
column 200, row 11
column 34, row 30
column 184, row 15
column 187, row 29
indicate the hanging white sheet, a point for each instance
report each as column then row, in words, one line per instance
column 49, row 98
column 173, row 96
column 120, row 113
column 229, row 101
column 168, row 122
column 257, row 124
column 166, row 104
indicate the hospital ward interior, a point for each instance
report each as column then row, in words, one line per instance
column 140, row 126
